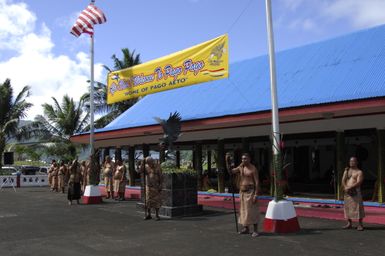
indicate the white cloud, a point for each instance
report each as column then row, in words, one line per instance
column 359, row 13
column 298, row 15
column 302, row 23
column 15, row 18
column 33, row 62
column 292, row 4
column 318, row 15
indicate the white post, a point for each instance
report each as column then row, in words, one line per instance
column 92, row 98
column 280, row 215
column 92, row 193
column 276, row 137
column 273, row 84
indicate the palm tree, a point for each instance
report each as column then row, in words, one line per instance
column 100, row 98
column 11, row 112
column 61, row 121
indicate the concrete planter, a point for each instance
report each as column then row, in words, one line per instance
column 179, row 196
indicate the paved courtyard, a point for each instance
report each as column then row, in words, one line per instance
column 35, row 221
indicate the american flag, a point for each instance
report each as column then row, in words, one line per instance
column 87, row 19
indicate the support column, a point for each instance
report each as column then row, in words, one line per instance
column 198, row 163
column 146, row 153
column 245, row 146
column 118, row 153
column 177, row 159
column 146, row 150
column 106, row 152
column 381, row 165
column 340, row 162
column 209, row 160
column 221, row 165
column 194, row 159
column 131, row 165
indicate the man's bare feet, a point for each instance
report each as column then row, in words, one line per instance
column 347, row 226
column 244, row 231
column 255, row 234
column 360, row 228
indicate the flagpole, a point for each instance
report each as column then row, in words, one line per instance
column 92, row 194
column 280, row 214
column 92, row 98
column 274, row 102
column 92, row 94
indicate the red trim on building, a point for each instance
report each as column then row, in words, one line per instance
column 297, row 113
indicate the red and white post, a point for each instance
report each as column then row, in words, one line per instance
column 281, row 218
column 92, row 195
column 280, row 215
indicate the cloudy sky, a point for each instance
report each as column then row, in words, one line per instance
column 36, row 48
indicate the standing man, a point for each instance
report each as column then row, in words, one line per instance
column 74, row 183
column 108, row 168
column 50, row 171
column 120, row 180
column 61, row 175
column 248, row 192
column 153, row 187
column 55, row 178
column 353, row 204
column 84, row 168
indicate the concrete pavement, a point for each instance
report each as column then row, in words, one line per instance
column 35, row 221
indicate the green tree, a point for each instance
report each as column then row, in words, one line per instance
column 60, row 122
column 100, row 98
column 12, row 110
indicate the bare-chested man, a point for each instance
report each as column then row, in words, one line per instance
column 54, row 174
column 108, row 168
column 61, row 176
column 353, row 205
column 120, row 180
column 50, row 171
column 84, row 168
column 153, row 187
column 74, row 182
column 248, row 184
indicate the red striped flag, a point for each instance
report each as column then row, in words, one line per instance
column 87, row 19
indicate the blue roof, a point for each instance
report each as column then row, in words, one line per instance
column 346, row 68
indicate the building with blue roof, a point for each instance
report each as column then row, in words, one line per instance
column 331, row 98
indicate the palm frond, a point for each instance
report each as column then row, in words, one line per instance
column 24, row 93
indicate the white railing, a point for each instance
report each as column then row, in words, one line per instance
column 33, row 180
column 9, row 181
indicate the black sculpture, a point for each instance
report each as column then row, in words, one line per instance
column 171, row 130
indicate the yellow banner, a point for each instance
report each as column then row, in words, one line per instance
column 201, row 63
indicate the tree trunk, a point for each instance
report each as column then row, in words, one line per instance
column 198, row 163
column 2, row 148
column 221, row 165
column 380, row 165
column 340, row 162
column 177, row 159
column 162, row 154
column 95, row 168
column 131, row 165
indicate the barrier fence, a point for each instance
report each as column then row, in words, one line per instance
column 16, row 181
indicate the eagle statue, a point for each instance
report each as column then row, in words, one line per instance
column 171, row 129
